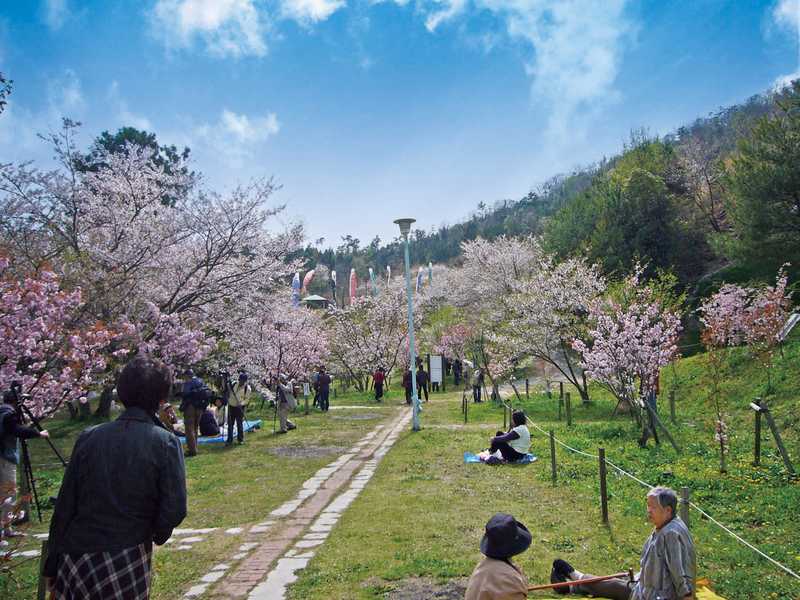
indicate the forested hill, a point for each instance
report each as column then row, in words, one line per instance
column 723, row 190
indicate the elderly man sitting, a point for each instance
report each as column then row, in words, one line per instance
column 667, row 563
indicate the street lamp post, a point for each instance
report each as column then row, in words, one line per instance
column 405, row 228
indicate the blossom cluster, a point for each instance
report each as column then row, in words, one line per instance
column 42, row 344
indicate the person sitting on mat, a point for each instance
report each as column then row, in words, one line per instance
column 512, row 445
column 208, row 422
column 496, row 577
column 668, row 560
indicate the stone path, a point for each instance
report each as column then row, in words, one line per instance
column 275, row 549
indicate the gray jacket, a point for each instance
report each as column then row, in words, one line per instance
column 668, row 564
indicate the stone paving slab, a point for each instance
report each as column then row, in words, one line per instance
column 276, row 548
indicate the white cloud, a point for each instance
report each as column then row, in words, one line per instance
column 576, row 48
column 20, row 125
column 55, row 13
column 65, row 96
column 448, row 9
column 310, row 11
column 124, row 115
column 233, row 139
column 786, row 14
column 245, row 129
column 232, row 28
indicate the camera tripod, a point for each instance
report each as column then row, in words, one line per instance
column 27, row 468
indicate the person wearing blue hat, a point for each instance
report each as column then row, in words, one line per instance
column 496, row 577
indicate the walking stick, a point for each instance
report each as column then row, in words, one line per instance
column 553, row 586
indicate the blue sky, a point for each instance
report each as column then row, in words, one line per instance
column 367, row 110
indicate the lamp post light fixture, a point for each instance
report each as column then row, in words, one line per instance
column 405, row 229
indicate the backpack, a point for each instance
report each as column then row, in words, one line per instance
column 199, row 397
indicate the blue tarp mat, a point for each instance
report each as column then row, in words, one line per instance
column 248, row 426
column 470, row 457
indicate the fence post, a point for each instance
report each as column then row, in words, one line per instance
column 757, row 449
column 504, row 416
column 527, row 388
column 553, row 456
column 560, row 405
column 777, row 435
column 603, row 489
column 466, row 409
column 569, row 409
column 560, row 389
column 672, row 405
column 306, row 405
column 685, row 505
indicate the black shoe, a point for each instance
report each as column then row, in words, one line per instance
column 559, row 574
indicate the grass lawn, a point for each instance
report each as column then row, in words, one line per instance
column 227, row 487
column 423, row 513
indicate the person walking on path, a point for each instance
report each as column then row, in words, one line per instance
column 124, row 489
column 10, row 431
column 237, row 403
column 496, row 577
column 407, row 382
column 324, row 384
column 378, row 379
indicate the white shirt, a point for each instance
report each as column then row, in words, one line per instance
column 523, row 443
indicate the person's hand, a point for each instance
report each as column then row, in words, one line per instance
column 44, row 434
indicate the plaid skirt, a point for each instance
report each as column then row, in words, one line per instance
column 122, row 575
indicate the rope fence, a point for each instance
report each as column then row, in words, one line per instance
column 625, row 473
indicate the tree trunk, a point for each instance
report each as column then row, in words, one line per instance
column 104, row 407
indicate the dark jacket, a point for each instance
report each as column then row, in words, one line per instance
column 12, row 429
column 422, row 377
column 125, row 485
column 407, row 380
column 324, row 382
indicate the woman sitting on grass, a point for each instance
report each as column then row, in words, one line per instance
column 496, row 577
column 514, row 444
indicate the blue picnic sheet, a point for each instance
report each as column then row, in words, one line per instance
column 222, row 437
column 471, row 457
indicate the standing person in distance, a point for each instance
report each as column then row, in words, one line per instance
column 193, row 400
column 477, row 382
column 407, row 382
column 324, row 385
column 284, row 396
column 422, row 381
column 378, row 379
column 10, row 431
column 237, row 403
column 123, row 491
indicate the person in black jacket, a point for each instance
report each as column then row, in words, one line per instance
column 10, row 431
column 422, row 382
column 124, row 489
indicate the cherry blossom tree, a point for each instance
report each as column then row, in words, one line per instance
column 523, row 304
column 271, row 336
column 44, row 344
column 168, row 269
column 370, row 332
column 454, row 342
column 736, row 316
column 549, row 311
column 632, row 338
